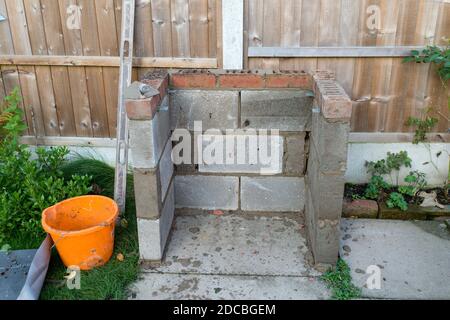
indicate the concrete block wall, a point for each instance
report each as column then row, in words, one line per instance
column 153, row 170
column 239, row 103
column 312, row 116
column 327, row 164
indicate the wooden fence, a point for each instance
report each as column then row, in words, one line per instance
column 384, row 90
column 68, row 72
column 64, row 55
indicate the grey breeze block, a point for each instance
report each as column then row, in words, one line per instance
column 276, row 109
column 148, row 138
column 152, row 185
column 216, row 109
column 207, row 192
column 279, row 194
column 153, row 234
column 250, row 155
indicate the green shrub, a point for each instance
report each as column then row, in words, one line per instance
column 28, row 183
column 380, row 190
column 339, row 280
column 396, row 200
column 438, row 56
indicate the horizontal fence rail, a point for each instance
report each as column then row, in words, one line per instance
column 331, row 52
column 101, row 61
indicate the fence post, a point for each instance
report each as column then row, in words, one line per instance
column 233, row 34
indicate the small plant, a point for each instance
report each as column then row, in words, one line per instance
column 380, row 190
column 435, row 55
column 339, row 281
column 29, row 184
column 392, row 164
column 396, row 200
column 423, row 126
column 415, row 181
column 376, row 187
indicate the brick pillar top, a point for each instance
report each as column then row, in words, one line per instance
column 145, row 108
column 334, row 103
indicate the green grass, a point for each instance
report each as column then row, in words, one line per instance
column 339, row 281
column 110, row 281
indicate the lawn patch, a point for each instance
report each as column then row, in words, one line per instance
column 109, row 282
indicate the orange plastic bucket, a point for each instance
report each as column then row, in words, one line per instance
column 83, row 230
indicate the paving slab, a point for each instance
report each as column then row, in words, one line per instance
column 237, row 245
column 14, row 268
column 413, row 257
column 219, row 287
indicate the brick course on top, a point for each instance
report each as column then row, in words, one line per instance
column 211, row 79
column 331, row 97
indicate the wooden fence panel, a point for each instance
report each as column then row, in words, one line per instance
column 385, row 91
column 80, row 98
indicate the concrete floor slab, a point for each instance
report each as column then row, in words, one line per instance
column 14, row 267
column 236, row 245
column 216, row 287
column 414, row 257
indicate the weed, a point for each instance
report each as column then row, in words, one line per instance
column 423, row 126
column 396, row 200
column 339, row 281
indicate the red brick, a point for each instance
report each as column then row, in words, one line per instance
column 142, row 109
column 301, row 81
column 159, row 84
column 241, row 80
column 334, row 102
column 159, row 80
column 364, row 209
column 193, row 80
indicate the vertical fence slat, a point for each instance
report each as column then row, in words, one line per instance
column 143, row 34
column 198, row 23
column 94, row 75
column 5, row 48
column 329, row 30
column 26, row 74
column 348, row 36
column 109, row 47
column 309, row 32
column 180, row 28
column 212, row 28
column 77, row 75
column 45, row 117
column 59, row 75
column 401, row 73
column 290, row 30
column 272, row 32
column 162, row 28
column 255, row 29
column 364, row 108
